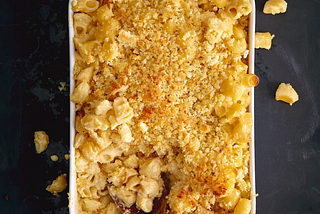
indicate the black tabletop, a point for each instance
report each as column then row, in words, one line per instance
column 34, row 62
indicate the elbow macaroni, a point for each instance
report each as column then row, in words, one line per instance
column 286, row 93
column 263, row 40
column 275, row 7
column 160, row 93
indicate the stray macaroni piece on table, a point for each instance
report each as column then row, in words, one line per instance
column 263, row 40
column 41, row 141
column 286, row 93
column 58, row 185
column 162, row 95
column 275, row 7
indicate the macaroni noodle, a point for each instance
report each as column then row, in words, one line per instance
column 275, row 7
column 263, row 40
column 286, row 93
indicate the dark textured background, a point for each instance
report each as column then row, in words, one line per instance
column 34, row 60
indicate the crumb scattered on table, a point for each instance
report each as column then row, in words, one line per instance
column 58, row 185
column 41, row 141
column 63, row 86
column 54, row 157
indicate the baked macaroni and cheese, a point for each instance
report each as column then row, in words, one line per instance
column 162, row 95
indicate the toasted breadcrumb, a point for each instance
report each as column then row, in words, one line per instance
column 58, row 185
column 54, row 157
column 41, row 141
column 62, row 86
column 67, row 156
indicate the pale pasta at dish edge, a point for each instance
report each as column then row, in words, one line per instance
column 162, row 93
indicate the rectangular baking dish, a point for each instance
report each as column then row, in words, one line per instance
column 72, row 173
column 72, row 176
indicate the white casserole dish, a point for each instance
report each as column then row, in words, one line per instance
column 72, row 175
column 252, row 30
